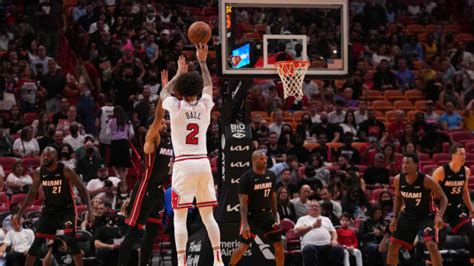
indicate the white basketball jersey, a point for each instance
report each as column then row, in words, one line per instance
column 189, row 123
column 106, row 112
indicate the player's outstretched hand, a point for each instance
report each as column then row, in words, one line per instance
column 246, row 231
column 182, row 65
column 164, row 77
column 201, row 51
column 393, row 225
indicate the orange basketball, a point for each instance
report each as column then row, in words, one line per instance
column 199, row 32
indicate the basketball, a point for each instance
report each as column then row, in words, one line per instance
column 199, row 32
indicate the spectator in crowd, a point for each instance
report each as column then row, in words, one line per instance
column 52, row 84
column 7, row 222
column 318, row 238
column 430, row 115
column 301, row 202
column 286, row 209
column 58, row 140
column 372, row 129
column 385, row 202
column 18, row 181
column 347, row 238
column 391, row 162
column 349, row 124
column 74, row 139
column 347, row 150
column 405, row 77
column 67, row 156
column 395, row 129
column 41, row 59
column 287, row 138
column 40, row 125
column 408, row 136
column 274, row 152
column 88, row 165
column 338, row 115
column 304, row 127
column 62, row 114
column 105, row 240
column 95, row 218
column 26, row 145
column 355, row 202
column 278, row 122
column 332, row 131
column 450, row 120
column 361, row 114
column 377, row 174
column 448, row 94
column 371, row 233
column 291, row 164
column 285, row 180
column 48, row 138
column 469, row 117
column 324, row 150
column 121, row 130
column 19, row 241
column 326, row 197
column 309, row 178
column 15, row 121
column 64, row 125
column 97, row 187
column 6, row 146
column 27, row 89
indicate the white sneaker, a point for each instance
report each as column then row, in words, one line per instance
column 217, row 263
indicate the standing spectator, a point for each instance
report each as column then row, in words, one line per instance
column 19, row 240
column 121, row 130
column 64, row 125
column 51, row 21
column 88, row 164
column 286, row 209
column 26, row 145
column 28, row 89
column 18, row 181
column 301, row 203
column 53, row 83
column 42, row 60
column 318, row 238
column 348, row 239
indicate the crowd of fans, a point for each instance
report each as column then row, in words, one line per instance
column 80, row 77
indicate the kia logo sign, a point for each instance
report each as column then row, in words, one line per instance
column 238, row 135
column 235, row 180
column 231, row 208
column 240, row 148
column 239, row 164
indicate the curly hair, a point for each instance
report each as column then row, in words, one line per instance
column 189, row 84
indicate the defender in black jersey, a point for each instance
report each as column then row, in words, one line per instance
column 147, row 196
column 59, row 210
column 453, row 179
column 258, row 209
column 414, row 191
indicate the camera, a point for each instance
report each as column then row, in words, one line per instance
column 108, row 183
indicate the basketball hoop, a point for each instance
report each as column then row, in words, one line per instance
column 292, row 75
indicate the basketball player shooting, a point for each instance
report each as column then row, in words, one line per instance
column 192, row 176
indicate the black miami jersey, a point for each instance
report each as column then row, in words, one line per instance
column 417, row 199
column 259, row 188
column 58, row 191
column 157, row 165
column 453, row 186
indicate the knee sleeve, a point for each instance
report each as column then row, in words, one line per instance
column 71, row 242
column 180, row 230
column 35, row 249
column 212, row 228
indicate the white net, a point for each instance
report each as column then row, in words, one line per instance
column 292, row 75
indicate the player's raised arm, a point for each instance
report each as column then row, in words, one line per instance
column 201, row 54
column 182, row 68
column 438, row 192
column 75, row 181
column 397, row 204
column 32, row 194
column 152, row 138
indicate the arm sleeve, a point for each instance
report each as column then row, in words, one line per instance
column 171, row 104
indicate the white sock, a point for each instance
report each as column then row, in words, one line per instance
column 217, row 256
column 182, row 259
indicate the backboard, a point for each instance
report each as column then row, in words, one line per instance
column 254, row 34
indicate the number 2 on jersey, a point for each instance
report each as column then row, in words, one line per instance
column 191, row 137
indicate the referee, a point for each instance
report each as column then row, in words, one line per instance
column 258, row 209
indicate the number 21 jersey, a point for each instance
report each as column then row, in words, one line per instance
column 189, row 123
